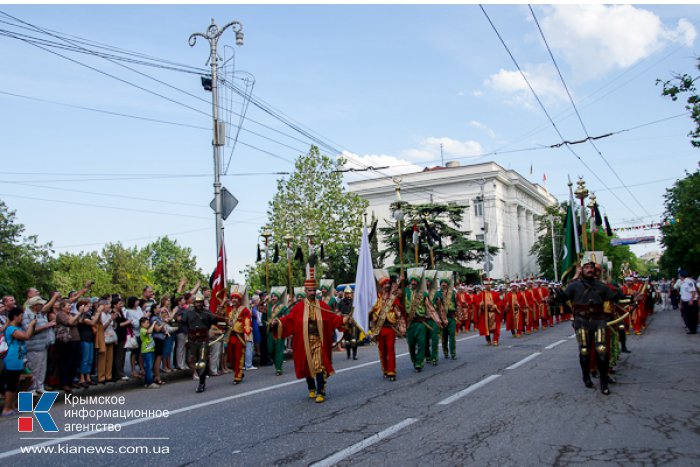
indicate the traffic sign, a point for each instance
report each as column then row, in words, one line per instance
column 228, row 203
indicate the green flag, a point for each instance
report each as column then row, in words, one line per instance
column 569, row 257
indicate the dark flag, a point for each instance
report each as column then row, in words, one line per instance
column 608, row 230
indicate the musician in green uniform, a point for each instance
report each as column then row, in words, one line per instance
column 434, row 322
column 327, row 293
column 276, row 309
column 447, row 304
column 415, row 304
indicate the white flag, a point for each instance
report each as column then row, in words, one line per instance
column 365, row 287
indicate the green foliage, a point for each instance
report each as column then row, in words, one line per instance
column 24, row 262
column 73, row 271
column 682, row 236
column 314, row 200
column 168, row 262
column 542, row 248
column 126, row 271
column 685, row 84
column 456, row 251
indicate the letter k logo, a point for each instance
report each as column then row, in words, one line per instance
column 41, row 412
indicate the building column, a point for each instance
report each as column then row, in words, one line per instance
column 522, row 241
column 530, row 222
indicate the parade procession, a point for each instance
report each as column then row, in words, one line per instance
column 349, row 234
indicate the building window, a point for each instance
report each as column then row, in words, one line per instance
column 478, row 207
column 480, row 237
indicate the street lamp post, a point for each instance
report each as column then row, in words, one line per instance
column 219, row 137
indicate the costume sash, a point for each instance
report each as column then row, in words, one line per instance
column 316, row 310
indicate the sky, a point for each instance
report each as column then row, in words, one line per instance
column 383, row 85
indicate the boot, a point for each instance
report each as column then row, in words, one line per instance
column 583, row 359
column 201, row 388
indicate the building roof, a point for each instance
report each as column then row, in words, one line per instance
column 452, row 173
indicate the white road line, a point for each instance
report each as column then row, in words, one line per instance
column 503, row 328
column 523, row 361
column 571, row 336
column 467, row 338
column 551, row 346
column 466, row 391
column 365, row 443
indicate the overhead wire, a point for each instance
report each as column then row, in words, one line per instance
column 578, row 114
column 544, row 109
column 39, row 29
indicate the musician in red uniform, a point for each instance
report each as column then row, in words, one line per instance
column 384, row 317
column 488, row 307
column 240, row 324
column 542, row 294
column 514, row 308
column 529, row 301
column 638, row 290
column 311, row 324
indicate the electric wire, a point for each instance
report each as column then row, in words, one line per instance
column 578, row 114
column 554, row 125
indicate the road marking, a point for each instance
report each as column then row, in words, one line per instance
column 468, row 390
column 571, row 336
column 467, row 338
column 523, row 361
column 503, row 328
column 551, row 346
column 365, row 443
column 373, row 362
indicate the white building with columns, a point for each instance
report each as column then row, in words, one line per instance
column 510, row 205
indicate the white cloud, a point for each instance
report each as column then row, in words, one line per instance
column 427, row 154
column 481, row 126
column 429, row 149
column 460, row 94
column 477, row 93
column 395, row 165
column 542, row 78
column 597, row 39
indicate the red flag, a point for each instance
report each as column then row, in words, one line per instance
column 218, row 282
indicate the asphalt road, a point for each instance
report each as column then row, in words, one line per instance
column 522, row 403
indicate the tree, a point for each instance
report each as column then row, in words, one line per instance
column 167, row 263
column 452, row 252
column 313, row 200
column 685, row 84
column 127, row 269
column 542, row 248
column 24, row 262
column 680, row 233
column 71, row 272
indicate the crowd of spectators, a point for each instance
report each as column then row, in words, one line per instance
column 75, row 342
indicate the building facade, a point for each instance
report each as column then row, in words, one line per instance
column 507, row 212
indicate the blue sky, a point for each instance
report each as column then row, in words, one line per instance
column 384, row 84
